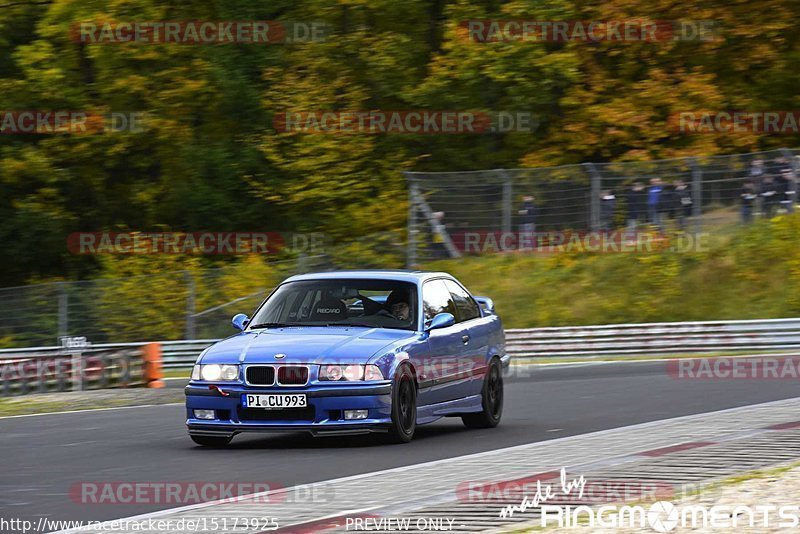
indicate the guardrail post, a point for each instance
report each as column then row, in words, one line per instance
column 77, row 372
column 41, row 371
column 105, row 362
column 62, row 378
column 23, row 379
column 125, row 374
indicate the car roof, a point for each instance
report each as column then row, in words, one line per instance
column 403, row 275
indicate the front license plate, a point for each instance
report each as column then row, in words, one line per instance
column 274, row 402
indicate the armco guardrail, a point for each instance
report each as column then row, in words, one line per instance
column 120, row 363
column 46, row 369
column 654, row 338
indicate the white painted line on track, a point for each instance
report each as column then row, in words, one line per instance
column 91, row 410
column 650, row 360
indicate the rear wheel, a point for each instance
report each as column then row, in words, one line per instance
column 212, row 441
column 491, row 400
column 404, row 406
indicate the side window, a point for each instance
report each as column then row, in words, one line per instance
column 466, row 305
column 437, row 299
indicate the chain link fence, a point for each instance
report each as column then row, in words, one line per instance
column 164, row 306
column 472, row 212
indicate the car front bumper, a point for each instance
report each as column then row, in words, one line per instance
column 323, row 416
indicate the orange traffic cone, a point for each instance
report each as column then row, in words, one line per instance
column 153, row 372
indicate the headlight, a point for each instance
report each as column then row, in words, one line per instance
column 330, row 372
column 349, row 373
column 354, row 372
column 215, row 372
column 373, row 372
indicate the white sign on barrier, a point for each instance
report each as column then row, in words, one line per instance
column 75, row 345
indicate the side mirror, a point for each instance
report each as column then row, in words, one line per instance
column 240, row 321
column 486, row 304
column 441, row 320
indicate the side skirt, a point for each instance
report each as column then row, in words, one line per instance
column 430, row 413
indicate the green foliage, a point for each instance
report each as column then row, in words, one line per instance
column 137, row 304
column 209, row 158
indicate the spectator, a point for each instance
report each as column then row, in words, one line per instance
column 748, row 196
column 769, row 196
column 757, row 171
column 527, row 227
column 682, row 198
column 438, row 229
column 637, row 205
column 654, row 200
column 782, row 165
column 608, row 203
column 786, row 187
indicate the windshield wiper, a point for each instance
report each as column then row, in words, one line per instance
column 282, row 325
column 274, row 325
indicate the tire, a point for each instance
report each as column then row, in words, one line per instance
column 211, row 441
column 491, row 399
column 404, row 406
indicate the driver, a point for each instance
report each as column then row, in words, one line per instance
column 401, row 310
column 397, row 304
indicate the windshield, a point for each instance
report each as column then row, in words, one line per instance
column 369, row 303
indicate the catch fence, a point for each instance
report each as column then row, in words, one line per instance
column 456, row 213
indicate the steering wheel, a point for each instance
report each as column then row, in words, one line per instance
column 385, row 313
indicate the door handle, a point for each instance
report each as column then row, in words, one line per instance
column 465, row 338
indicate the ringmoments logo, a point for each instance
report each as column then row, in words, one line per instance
column 665, row 516
column 575, row 511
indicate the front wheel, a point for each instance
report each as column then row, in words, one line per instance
column 491, row 400
column 404, row 406
column 212, row 441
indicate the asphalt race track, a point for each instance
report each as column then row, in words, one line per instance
column 41, row 457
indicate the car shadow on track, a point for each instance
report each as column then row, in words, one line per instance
column 302, row 440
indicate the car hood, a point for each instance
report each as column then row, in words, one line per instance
column 305, row 345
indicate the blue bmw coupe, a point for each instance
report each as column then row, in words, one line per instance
column 352, row 352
